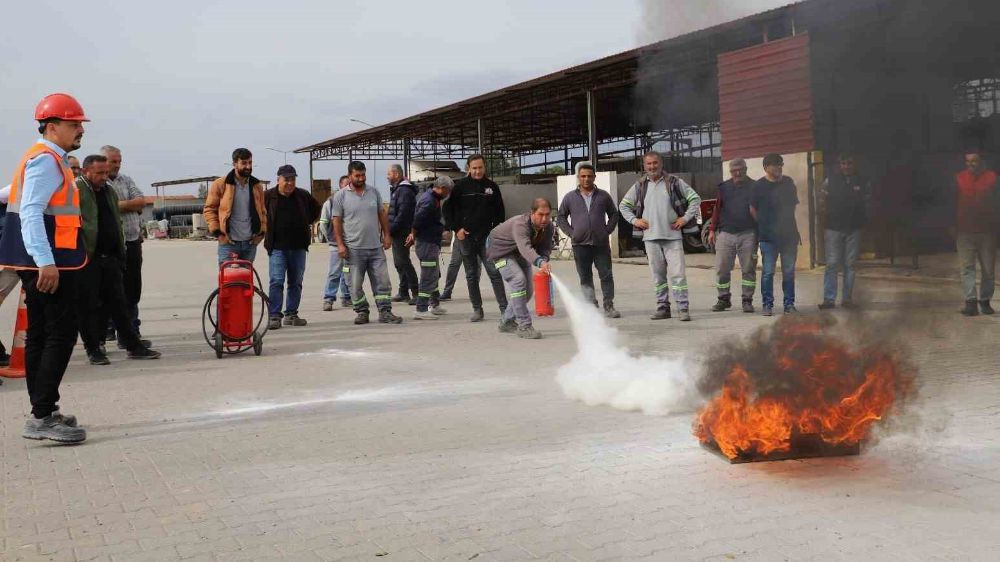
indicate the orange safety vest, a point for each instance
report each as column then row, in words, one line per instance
column 61, row 216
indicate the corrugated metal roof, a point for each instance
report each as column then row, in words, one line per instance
column 765, row 99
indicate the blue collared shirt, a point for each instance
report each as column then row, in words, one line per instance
column 43, row 176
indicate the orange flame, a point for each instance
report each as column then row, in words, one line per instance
column 819, row 387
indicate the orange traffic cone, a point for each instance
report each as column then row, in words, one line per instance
column 16, row 368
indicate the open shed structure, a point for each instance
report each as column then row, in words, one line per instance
column 905, row 85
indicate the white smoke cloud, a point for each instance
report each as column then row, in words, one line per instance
column 604, row 372
column 664, row 19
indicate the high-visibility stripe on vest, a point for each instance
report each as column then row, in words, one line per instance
column 61, row 217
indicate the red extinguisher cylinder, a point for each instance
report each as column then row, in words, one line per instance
column 236, row 303
column 543, row 294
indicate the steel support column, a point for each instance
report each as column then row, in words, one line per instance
column 592, row 151
column 406, row 157
column 480, row 137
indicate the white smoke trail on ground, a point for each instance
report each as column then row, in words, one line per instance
column 604, row 372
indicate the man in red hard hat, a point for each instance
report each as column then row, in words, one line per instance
column 43, row 241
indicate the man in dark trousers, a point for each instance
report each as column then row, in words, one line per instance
column 775, row 197
column 428, row 229
column 844, row 201
column 733, row 232
column 102, row 285
column 588, row 215
column 291, row 211
column 402, row 203
column 475, row 207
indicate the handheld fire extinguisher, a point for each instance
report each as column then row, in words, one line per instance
column 543, row 294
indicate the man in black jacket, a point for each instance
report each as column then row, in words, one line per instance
column 588, row 216
column 475, row 207
column 290, row 214
column 402, row 203
column 844, row 201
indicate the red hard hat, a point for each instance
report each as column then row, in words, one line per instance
column 59, row 106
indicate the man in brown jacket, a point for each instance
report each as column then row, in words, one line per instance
column 235, row 210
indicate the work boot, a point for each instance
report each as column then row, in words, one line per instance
column 827, row 305
column 970, row 309
column 722, row 304
column 294, row 320
column 54, row 428
column 142, row 342
column 401, row 297
column 790, row 309
column 610, row 312
column 143, row 353
column 68, row 419
column 685, row 316
column 97, row 358
column 424, row 315
column 387, row 317
column 446, row 296
column 985, row 308
column 768, row 311
column 437, row 311
column 412, row 302
column 477, row 315
column 528, row 333
column 748, row 307
column 661, row 314
column 507, row 326
column 274, row 323
column 4, row 359
column 327, row 306
column 361, row 318
column 346, row 303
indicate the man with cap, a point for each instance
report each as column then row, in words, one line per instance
column 42, row 239
column 291, row 211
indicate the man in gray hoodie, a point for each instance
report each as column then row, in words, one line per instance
column 660, row 206
column 513, row 247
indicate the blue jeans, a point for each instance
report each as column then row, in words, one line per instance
column 770, row 252
column 245, row 250
column 337, row 277
column 370, row 262
column 293, row 264
column 842, row 250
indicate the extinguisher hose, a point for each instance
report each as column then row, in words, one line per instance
column 207, row 318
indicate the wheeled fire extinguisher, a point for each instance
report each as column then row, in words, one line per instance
column 543, row 294
column 229, row 310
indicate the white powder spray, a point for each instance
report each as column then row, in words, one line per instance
column 604, row 372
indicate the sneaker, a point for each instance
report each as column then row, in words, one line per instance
column 722, row 304
column 424, row 315
column 610, row 312
column 477, row 315
column 361, row 318
column 327, row 306
column 827, row 305
column 68, row 419
column 294, row 320
column 748, row 307
column 790, row 309
column 437, row 311
column 528, row 333
column 507, row 326
column 54, row 428
column 446, row 296
column 768, row 311
column 685, row 316
column 970, row 309
column 661, row 314
column 274, row 323
column 143, row 353
column 98, row 358
column 985, row 308
column 400, row 298
column 142, row 342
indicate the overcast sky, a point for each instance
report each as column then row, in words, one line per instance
column 178, row 85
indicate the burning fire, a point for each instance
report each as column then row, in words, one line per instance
column 799, row 380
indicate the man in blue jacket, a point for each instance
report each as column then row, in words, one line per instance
column 402, row 202
column 428, row 228
column 588, row 216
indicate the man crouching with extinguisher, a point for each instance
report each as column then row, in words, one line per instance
column 515, row 246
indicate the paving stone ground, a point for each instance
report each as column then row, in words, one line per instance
column 450, row 441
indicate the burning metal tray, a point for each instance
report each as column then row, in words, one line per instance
column 803, row 447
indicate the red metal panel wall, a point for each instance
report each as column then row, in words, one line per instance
column 765, row 99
